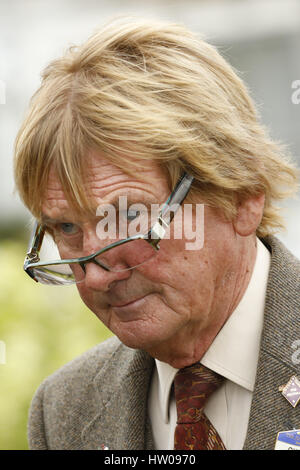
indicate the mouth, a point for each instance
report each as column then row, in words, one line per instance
column 127, row 304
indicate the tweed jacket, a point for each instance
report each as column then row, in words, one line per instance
column 100, row 398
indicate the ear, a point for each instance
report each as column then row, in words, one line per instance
column 249, row 215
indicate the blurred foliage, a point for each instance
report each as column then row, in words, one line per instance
column 16, row 229
column 42, row 327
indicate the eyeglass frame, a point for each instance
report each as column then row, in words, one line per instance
column 159, row 228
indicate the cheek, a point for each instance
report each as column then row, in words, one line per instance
column 167, row 264
column 185, row 275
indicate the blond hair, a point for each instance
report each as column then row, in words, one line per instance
column 143, row 90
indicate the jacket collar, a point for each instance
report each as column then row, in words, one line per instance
column 270, row 412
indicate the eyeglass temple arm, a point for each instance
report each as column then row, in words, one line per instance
column 166, row 214
column 35, row 243
column 178, row 195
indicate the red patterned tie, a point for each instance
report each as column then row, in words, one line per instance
column 193, row 385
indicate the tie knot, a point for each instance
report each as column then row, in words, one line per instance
column 192, row 386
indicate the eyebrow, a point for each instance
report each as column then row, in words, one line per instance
column 48, row 221
column 130, row 201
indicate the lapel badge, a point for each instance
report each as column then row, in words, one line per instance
column 288, row 440
column 291, row 391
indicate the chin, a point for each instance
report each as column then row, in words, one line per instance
column 134, row 338
column 133, row 342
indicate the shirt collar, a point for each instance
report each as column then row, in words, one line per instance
column 234, row 352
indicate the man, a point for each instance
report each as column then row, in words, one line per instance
column 147, row 112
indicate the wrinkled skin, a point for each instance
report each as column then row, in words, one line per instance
column 174, row 305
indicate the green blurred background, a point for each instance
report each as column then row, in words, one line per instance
column 42, row 328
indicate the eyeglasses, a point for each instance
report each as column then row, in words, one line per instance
column 121, row 255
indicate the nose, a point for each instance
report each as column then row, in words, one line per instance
column 97, row 279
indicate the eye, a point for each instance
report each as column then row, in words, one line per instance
column 68, row 228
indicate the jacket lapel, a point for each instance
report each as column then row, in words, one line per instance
column 121, row 388
column 270, row 411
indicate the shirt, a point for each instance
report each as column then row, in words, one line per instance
column 233, row 354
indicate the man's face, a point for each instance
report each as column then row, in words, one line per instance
column 173, row 305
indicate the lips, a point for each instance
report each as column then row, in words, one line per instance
column 127, row 303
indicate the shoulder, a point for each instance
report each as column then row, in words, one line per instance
column 282, row 304
column 66, row 399
column 285, row 267
column 78, row 373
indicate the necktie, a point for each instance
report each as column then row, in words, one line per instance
column 192, row 386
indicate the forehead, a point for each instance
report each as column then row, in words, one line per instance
column 105, row 182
